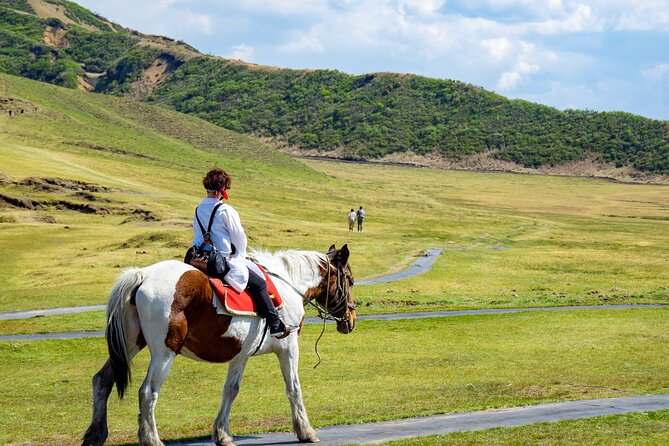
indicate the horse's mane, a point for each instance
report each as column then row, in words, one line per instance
column 300, row 266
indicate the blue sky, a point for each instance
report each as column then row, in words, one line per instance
column 602, row 55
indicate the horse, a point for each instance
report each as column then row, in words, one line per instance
column 168, row 307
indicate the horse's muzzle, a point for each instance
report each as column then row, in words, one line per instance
column 346, row 324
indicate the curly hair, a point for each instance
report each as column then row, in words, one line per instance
column 216, row 179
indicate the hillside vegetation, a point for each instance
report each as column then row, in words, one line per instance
column 327, row 112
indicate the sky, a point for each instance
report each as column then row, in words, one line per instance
column 603, row 55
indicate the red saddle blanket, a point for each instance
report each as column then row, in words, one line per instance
column 241, row 304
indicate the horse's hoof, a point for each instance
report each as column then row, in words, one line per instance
column 311, row 438
column 90, row 441
column 225, row 441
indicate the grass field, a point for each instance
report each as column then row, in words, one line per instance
column 384, row 370
column 107, row 183
column 508, row 240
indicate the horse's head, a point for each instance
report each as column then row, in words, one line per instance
column 333, row 296
column 341, row 286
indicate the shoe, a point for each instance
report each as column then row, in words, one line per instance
column 280, row 330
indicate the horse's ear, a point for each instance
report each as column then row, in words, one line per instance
column 343, row 255
column 332, row 253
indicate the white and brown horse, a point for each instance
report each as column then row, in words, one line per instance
column 168, row 307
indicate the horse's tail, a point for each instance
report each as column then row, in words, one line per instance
column 124, row 289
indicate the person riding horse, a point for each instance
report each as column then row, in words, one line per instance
column 227, row 235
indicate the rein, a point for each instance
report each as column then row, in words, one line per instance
column 324, row 312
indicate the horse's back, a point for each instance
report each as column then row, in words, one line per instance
column 161, row 279
column 175, row 304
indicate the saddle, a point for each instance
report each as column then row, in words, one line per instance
column 229, row 301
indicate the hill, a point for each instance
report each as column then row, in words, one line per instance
column 91, row 182
column 379, row 116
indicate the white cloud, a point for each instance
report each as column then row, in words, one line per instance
column 509, row 80
column 657, row 72
column 527, row 64
column 305, row 42
column 423, row 7
column 242, row 52
column 580, row 19
column 644, row 16
column 173, row 18
column 283, row 7
column 499, row 48
column 198, row 22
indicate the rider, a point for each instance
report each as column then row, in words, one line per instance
column 228, row 236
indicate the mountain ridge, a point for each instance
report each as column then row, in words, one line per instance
column 372, row 117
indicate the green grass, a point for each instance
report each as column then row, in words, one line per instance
column 649, row 429
column 384, row 370
column 86, row 321
column 567, row 240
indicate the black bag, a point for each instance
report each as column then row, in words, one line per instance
column 206, row 257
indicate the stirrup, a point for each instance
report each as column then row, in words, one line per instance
column 288, row 329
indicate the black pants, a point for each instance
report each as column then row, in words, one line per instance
column 258, row 289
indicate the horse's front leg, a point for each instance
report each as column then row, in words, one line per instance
column 103, row 382
column 289, row 358
column 221, row 434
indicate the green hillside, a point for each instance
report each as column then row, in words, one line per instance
column 329, row 112
column 378, row 114
column 90, row 181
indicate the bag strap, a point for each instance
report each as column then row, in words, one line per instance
column 211, row 219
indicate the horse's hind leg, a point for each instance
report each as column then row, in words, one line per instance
column 222, row 435
column 103, row 382
column 159, row 367
column 289, row 359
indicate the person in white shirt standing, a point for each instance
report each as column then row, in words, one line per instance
column 351, row 220
column 229, row 238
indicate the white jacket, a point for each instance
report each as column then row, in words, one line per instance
column 226, row 230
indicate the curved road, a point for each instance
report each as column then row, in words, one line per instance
column 420, row 266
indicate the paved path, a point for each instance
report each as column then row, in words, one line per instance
column 50, row 312
column 458, row 422
column 420, row 266
column 369, row 317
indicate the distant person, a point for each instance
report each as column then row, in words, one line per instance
column 352, row 216
column 361, row 218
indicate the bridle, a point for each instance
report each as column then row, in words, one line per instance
column 339, row 299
